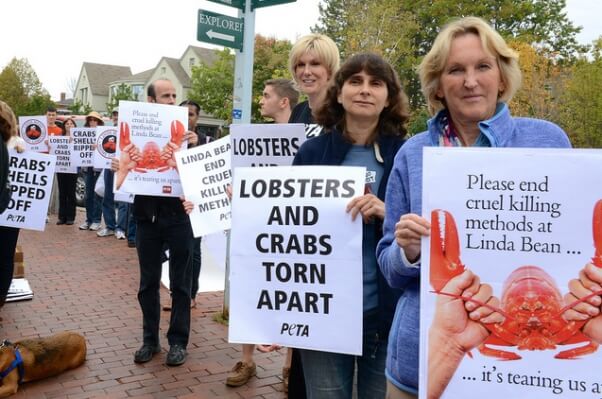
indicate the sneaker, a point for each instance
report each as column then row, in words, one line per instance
column 104, row 232
column 84, row 226
column 94, row 226
column 176, row 355
column 146, row 353
column 131, row 244
column 241, row 374
column 119, row 234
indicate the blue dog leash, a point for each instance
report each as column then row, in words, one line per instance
column 15, row 364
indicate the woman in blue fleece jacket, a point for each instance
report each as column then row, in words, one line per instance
column 467, row 78
column 363, row 118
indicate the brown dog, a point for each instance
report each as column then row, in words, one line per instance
column 41, row 358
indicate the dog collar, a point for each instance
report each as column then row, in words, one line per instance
column 15, row 364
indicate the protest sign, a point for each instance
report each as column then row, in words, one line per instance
column 265, row 144
column 522, row 221
column 83, row 139
column 296, row 258
column 124, row 197
column 31, row 175
column 205, row 173
column 62, row 148
column 34, row 130
column 106, row 145
column 154, row 132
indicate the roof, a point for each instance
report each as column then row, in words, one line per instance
column 139, row 77
column 177, row 69
column 206, row 54
column 100, row 75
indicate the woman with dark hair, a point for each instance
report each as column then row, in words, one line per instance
column 363, row 117
column 93, row 200
column 66, row 183
column 9, row 132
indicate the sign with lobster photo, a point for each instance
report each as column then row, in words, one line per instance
column 149, row 136
column 34, row 131
column 106, row 145
column 511, row 274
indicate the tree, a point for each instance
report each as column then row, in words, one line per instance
column 22, row 90
column 212, row 85
column 581, row 113
column 123, row 92
column 411, row 27
column 79, row 108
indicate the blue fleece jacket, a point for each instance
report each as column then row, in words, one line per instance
column 331, row 149
column 404, row 195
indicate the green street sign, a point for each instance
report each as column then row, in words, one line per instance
column 240, row 4
column 220, row 29
column 266, row 3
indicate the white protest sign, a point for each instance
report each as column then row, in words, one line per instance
column 34, row 130
column 296, row 258
column 205, row 173
column 31, row 175
column 154, row 132
column 524, row 220
column 83, row 139
column 62, row 148
column 106, row 145
column 272, row 144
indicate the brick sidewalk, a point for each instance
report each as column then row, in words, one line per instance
column 88, row 284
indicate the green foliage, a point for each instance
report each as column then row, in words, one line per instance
column 581, row 114
column 79, row 108
column 403, row 31
column 123, row 92
column 418, row 121
column 212, row 85
column 21, row 89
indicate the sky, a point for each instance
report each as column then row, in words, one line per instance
column 57, row 37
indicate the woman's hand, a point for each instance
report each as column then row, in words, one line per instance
column 588, row 284
column 188, row 205
column 408, row 233
column 369, row 205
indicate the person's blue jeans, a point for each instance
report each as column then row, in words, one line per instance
column 108, row 201
column 93, row 201
column 330, row 375
column 123, row 210
column 131, row 232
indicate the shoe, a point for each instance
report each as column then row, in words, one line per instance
column 94, row 226
column 104, row 232
column 69, row 222
column 131, row 244
column 286, row 372
column 176, row 355
column 119, row 234
column 60, row 221
column 84, row 226
column 241, row 374
column 146, row 353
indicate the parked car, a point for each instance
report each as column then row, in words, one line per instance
column 80, row 185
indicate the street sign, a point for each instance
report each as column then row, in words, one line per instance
column 240, row 4
column 220, row 29
column 266, row 3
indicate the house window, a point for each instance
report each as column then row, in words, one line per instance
column 138, row 92
column 84, row 95
column 191, row 61
column 163, row 70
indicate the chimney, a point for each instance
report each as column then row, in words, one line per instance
column 63, row 96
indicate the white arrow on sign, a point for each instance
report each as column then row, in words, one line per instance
column 217, row 35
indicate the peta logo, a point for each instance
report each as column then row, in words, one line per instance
column 297, row 330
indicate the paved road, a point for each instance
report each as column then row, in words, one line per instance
column 88, row 284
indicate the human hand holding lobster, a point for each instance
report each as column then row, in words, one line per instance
column 409, row 232
column 458, row 327
column 128, row 159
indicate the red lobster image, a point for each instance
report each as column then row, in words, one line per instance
column 531, row 303
column 152, row 157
